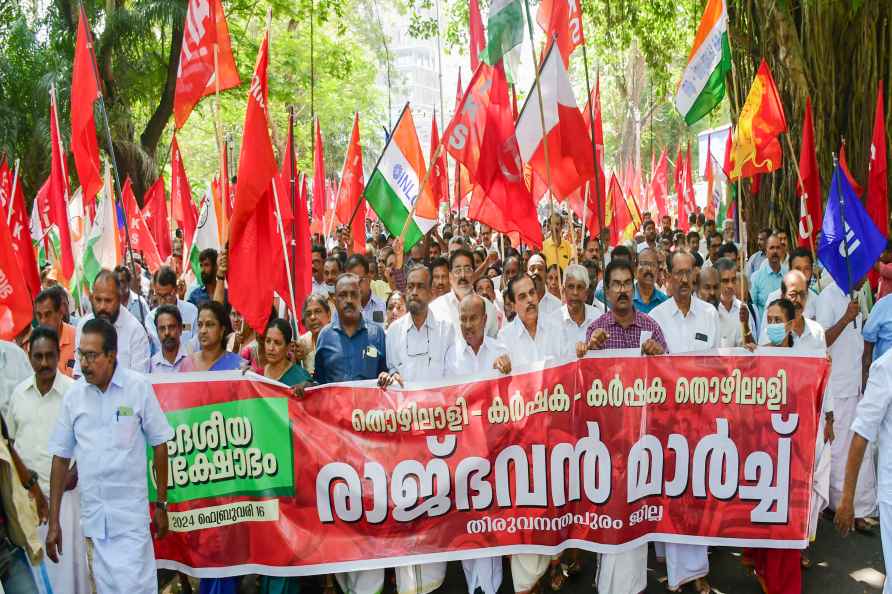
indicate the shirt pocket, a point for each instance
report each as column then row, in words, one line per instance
column 124, row 431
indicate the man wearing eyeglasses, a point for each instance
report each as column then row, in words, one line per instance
column 416, row 351
column 688, row 324
column 461, row 280
column 647, row 296
column 106, row 420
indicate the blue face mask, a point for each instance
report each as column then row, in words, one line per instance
column 776, row 333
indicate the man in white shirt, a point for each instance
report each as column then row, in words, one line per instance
column 461, row 277
column 688, row 324
column 164, row 285
column 106, row 421
column 548, row 303
column 575, row 316
column 841, row 319
column 32, row 414
column 169, row 328
column 416, row 352
column 133, row 342
column 729, row 307
column 475, row 354
column 532, row 338
column 14, row 369
column 872, row 425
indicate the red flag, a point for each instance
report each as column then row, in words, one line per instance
column 689, row 200
column 15, row 302
column 877, row 172
column 679, row 192
column 439, row 176
column 58, row 193
column 84, row 91
column 299, row 242
column 477, row 35
column 481, row 136
column 205, row 29
column 561, row 21
column 154, row 213
column 12, row 204
column 593, row 106
column 255, row 245
column 810, row 210
column 463, row 185
column 319, row 198
column 140, row 236
column 350, row 196
column 615, row 205
column 184, row 211
column 710, row 181
column 659, row 185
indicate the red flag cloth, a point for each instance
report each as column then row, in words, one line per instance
column 844, row 163
column 481, row 136
column 659, row 185
column 562, row 21
column 463, row 185
column 593, row 107
column 690, row 201
column 154, row 213
column 299, row 241
column 205, row 28
column 184, row 211
column 12, row 204
column 810, row 210
column 319, row 197
column 877, row 181
column 58, row 193
column 439, row 176
column 350, row 192
column 477, row 34
column 15, row 301
column 255, row 244
column 617, row 210
column 710, row 182
column 140, row 235
column 84, row 91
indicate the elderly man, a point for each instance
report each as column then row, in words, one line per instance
column 132, row 350
column 575, row 316
column 708, row 286
column 461, row 280
column 623, row 327
column 532, row 338
column 169, row 329
column 373, row 309
column 536, row 268
column 688, row 324
column 801, row 259
column 32, row 414
column 416, row 352
column 647, row 296
column 732, row 313
column 841, row 318
column 164, row 285
column 767, row 278
column 49, row 311
column 106, row 421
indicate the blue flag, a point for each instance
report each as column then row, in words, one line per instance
column 865, row 242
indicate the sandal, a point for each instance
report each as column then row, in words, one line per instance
column 701, row 586
column 559, row 575
column 863, row 526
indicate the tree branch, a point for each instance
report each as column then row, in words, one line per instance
column 156, row 124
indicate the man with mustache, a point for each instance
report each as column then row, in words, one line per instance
column 32, row 414
column 575, row 316
column 647, row 296
column 548, row 303
column 49, row 311
column 164, row 286
column 461, row 280
column 708, row 287
column 769, row 275
column 169, row 328
column 732, row 312
column 689, row 325
column 133, row 342
column 209, row 278
column 532, row 338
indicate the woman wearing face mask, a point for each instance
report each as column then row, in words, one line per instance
column 780, row 315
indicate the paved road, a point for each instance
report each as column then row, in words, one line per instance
column 839, row 566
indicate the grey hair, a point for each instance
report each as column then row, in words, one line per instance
column 576, row 272
column 725, row 264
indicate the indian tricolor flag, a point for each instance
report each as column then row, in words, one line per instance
column 394, row 187
column 702, row 84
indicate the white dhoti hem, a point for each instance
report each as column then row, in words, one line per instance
column 685, row 563
column 125, row 564
column 484, row 573
column 369, row 581
column 527, row 569
column 886, row 537
column 71, row 575
column 820, row 485
column 622, row 573
column 420, row 579
column 866, row 489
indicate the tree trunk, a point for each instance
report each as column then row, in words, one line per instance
column 156, row 124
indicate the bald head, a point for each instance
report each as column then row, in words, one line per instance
column 795, row 288
column 708, row 285
column 472, row 319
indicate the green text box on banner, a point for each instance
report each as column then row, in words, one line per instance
column 229, row 449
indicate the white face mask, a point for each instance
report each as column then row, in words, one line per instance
column 330, row 289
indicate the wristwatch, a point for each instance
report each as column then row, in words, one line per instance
column 32, row 480
column 161, row 505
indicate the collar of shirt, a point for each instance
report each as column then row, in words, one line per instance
column 590, row 314
column 336, row 325
column 158, row 358
column 657, row 295
column 735, row 306
column 60, row 386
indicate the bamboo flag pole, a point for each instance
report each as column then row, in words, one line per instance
column 15, row 181
column 218, row 133
column 591, row 117
column 811, row 233
column 541, row 108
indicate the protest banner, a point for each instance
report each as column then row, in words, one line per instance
column 599, row 454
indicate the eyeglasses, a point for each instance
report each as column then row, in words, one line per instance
column 426, row 352
column 88, row 356
column 463, row 269
column 621, row 286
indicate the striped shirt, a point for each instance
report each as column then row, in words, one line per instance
column 626, row 338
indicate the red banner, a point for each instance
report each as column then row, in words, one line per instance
column 601, row 454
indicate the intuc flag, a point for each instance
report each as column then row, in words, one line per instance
column 205, row 29
column 58, row 193
column 562, row 22
column 504, row 30
column 810, row 211
column 350, row 200
column 184, row 211
column 756, row 148
column 15, row 301
column 84, row 91
column 878, row 170
column 702, row 84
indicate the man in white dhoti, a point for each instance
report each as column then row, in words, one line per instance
column 416, row 352
column 873, row 424
column 475, row 354
column 106, row 420
column 33, row 409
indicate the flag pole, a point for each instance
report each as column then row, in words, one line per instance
column 15, row 181
column 845, row 226
column 281, row 227
column 293, row 190
column 541, row 108
column 221, row 147
column 811, row 233
column 591, row 117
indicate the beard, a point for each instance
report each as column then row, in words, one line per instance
column 207, row 278
column 111, row 318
